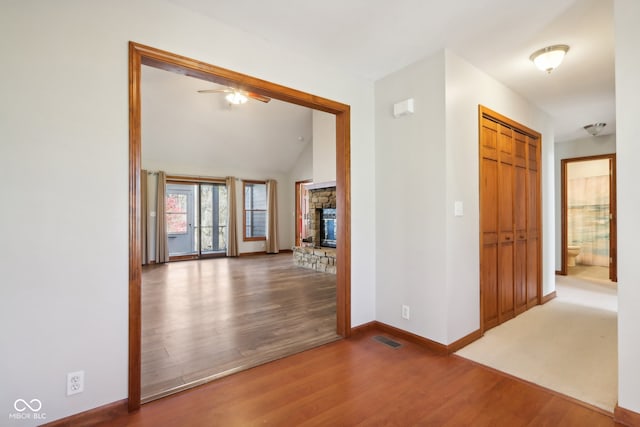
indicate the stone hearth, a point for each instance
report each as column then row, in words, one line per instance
column 319, row 259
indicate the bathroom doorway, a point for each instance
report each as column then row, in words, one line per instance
column 589, row 217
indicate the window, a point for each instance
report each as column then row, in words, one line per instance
column 213, row 218
column 255, row 210
column 176, row 211
column 196, row 214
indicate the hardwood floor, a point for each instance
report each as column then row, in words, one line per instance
column 208, row 318
column 360, row 381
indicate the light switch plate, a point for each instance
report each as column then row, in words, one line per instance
column 458, row 209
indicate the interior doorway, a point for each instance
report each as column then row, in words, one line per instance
column 144, row 55
column 589, row 217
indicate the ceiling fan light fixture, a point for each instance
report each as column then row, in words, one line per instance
column 549, row 58
column 236, row 98
column 595, row 128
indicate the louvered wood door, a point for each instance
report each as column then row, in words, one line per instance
column 509, row 220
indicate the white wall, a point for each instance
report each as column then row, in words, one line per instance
column 627, row 161
column 410, row 200
column 427, row 257
column 64, row 165
column 324, row 146
column 582, row 147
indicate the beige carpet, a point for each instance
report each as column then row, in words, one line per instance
column 568, row 345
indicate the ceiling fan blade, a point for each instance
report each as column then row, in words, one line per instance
column 215, row 91
column 258, row 97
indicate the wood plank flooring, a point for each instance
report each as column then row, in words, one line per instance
column 208, row 318
column 361, row 382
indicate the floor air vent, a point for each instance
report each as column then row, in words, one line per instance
column 387, row 341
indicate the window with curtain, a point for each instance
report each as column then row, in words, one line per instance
column 255, row 210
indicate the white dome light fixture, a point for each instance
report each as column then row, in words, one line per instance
column 549, row 58
column 595, row 128
column 236, row 98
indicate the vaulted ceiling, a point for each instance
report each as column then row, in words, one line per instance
column 197, row 133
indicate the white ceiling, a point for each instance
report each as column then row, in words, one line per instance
column 187, row 132
column 372, row 38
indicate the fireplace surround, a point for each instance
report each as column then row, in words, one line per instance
column 322, row 199
column 320, row 253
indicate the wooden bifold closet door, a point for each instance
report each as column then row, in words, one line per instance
column 510, row 262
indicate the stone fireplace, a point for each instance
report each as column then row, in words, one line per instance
column 319, row 199
column 320, row 253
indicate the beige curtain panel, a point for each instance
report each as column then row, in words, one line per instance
column 272, row 217
column 232, row 235
column 144, row 214
column 162, row 247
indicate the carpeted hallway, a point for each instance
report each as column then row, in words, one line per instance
column 568, row 345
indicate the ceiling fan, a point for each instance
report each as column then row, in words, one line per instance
column 237, row 96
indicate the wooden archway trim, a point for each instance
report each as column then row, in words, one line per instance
column 144, row 55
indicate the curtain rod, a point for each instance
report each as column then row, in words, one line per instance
column 196, row 177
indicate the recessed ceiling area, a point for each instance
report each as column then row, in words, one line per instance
column 197, row 133
column 374, row 38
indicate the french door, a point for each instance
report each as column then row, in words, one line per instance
column 196, row 215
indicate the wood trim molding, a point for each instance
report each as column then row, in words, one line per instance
column 144, row 55
column 243, row 254
column 417, row 339
column 364, row 328
column 548, row 297
column 626, row 416
column 497, row 117
column 464, row 341
column 95, row 416
column 411, row 337
column 135, row 244
column 563, row 218
column 613, row 232
column 560, row 273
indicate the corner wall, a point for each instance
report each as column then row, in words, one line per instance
column 410, row 197
column 426, row 257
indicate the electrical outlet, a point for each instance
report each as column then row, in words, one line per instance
column 75, row 382
column 405, row 312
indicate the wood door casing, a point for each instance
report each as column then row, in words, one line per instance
column 613, row 232
column 510, row 258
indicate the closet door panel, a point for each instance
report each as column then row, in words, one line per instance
column 520, row 222
column 506, row 290
column 533, row 230
column 489, row 243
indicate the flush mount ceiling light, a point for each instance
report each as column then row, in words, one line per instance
column 236, row 98
column 595, row 128
column 548, row 58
